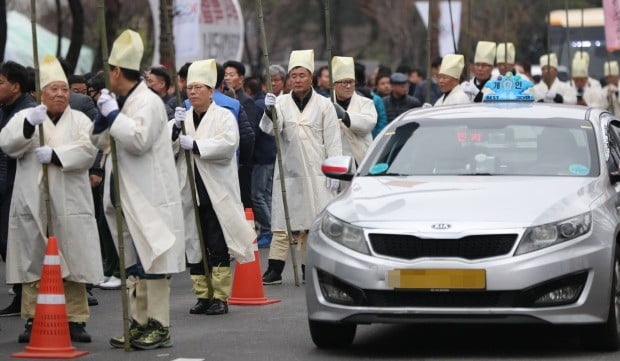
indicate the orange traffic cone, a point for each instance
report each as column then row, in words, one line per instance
column 50, row 331
column 248, row 281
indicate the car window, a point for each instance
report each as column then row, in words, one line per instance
column 541, row 147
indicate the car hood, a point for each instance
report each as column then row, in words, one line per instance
column 512, row 201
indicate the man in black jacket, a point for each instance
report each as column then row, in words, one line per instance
column 13, row 98
column 399, row 101
column 234, row 75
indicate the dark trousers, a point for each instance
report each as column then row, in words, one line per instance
column 245, row 185
column 214, row 240
column 5, row 205
column 108, row 250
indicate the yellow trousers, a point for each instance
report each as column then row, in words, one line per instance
column 75, row 298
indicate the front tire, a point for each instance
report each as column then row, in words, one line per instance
column 332, row 335
column 606, row 336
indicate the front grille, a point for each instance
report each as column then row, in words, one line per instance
column 470, row 247
column 457, row 299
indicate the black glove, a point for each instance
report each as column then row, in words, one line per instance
column 340, row 112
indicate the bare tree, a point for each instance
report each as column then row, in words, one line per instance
column 77, row 33
column 59, row 26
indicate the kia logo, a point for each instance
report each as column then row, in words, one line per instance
column 440, row 226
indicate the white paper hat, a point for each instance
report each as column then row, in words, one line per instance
column 50, row 71
column 582, row 55
column 503, row 56
column 452, row 65
column 127, row 51
column 611, row 68
column 203, row 72
column 579, row 68
column 485, row 52
column 303, row 58
column 343, row 67
column 549, row 59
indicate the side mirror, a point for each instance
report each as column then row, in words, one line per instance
column 614, row 177
column 339, row 167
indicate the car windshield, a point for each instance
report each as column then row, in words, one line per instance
column 500, row 146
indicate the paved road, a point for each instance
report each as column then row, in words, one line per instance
column 280, row 332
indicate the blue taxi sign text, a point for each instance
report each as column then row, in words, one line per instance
column 508, row 88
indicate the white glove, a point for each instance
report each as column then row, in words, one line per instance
column 427, row 105
column 270, row 100
column 470, row 89
column 549, row 96
column 43, row 154
column 332, row 184
column 107, row 102
column 179, row 117
column 187, row 142
column 37, row 115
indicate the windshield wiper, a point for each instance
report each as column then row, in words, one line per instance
column 474, row 174
column 386, row 174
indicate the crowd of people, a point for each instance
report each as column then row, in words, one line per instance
column 224, row 123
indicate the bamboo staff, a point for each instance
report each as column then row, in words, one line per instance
column 548, row 77
column 568, row 42
column 506, row 32
column 452, row 27
column 35, row 55
column 115, row 179
column 428, row 51
column 276, row 131
column 188, row 155
column 328, row 44
column 468, row 42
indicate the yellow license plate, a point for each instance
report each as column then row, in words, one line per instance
column 456, row 279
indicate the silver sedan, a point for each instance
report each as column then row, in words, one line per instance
column 495, row 213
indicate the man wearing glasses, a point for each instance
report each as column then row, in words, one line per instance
column 483, row 67
column 309, row 133
column 357, row 114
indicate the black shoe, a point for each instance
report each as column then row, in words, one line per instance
column 92, row 301
column 217, row 308
column 24, row 337
column 78, row 333
column 273, row 276
column 135, row 331
column 14, row 309
column 200, row 307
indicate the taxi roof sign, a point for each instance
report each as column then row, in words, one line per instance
column 508, row 88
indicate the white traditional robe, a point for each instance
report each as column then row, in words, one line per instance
column 456, row 96
column 564, row 89
column 611, row 101
column 593, row 94
column 71, row 201
column 357, row 137
column 306, row 139
column 217, row 138
column 149, row 186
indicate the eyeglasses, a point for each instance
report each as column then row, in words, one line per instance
column 196, row 87
column 346, row 83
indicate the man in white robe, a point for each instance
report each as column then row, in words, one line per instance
column 68, row 154
column 588, row 94
column 212, row 137
column 149, row 192
column 357, row 114
column 309, row 133
column 559, row 91
column 449, row 75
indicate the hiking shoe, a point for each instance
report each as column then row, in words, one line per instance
column 135, row 331
column 24, row 337
column 78, row 333
column 217, row 307
column 200, row 307
column 14, row 309
column 155, row 336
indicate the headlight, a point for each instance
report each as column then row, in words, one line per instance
column 344, row 233
column 550, row 234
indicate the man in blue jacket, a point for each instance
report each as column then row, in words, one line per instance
column 13, row 98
